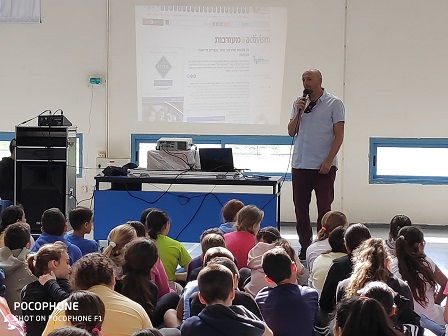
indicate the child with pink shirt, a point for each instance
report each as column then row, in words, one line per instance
column 243, row 239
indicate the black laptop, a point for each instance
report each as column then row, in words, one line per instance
column 216, row 159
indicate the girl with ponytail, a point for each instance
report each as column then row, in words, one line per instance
column 118, row 237
column 396, row 223
column 51, row 265
column 172, row 253
column 420, row 272
column 140, row 257
column 330, row 221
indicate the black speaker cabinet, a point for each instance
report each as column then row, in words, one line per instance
column 41, row 185
column 45, row 174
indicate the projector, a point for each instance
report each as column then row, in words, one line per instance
column 174, row 144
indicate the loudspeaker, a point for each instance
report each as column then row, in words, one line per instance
column 45, row 171
column 40, row 186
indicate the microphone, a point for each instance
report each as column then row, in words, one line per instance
column 305, row 93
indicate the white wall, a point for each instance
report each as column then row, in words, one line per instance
column 386, row 59
column 46, row 66
column 395, row 87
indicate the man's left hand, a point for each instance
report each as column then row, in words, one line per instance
column 325, row 167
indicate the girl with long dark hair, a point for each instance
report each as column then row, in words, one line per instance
column 140, row 256
column 420, row 272
column 366, row 317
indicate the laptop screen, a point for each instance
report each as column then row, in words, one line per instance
column 216, row 159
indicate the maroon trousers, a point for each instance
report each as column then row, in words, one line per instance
column 304, row 181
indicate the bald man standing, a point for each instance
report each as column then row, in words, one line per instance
column 317, row 121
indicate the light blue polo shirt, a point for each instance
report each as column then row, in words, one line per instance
column 315, row 137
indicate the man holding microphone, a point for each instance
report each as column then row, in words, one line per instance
column 317, row 122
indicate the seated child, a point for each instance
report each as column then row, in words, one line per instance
column 87, row 304
column 10, row 215
column 386, row 296
column 9, row 324
column 216, row 290
column 94, row 272
column 175, row 317
column 330, row 221
column 229, row 211
column 158, row 332
column 139, row 227
column 208, row 239
column 140, row 256
column 323, row 262
column 81, row 220
column 241, row 298
column 366, row 317
column 70, row 331
column 396, row 223
column 53, row 228
column 172, row 253
column 241, row 241
column 122, row 235
column 145, row 214
column 117, row 239
column 288, row 309
column 268, row 238
column 13, row 258
column 51, row 265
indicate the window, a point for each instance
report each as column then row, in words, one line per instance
column 268, row 154
column 20, row 11
column 5, row 138
column 408, row 160
column 261, row 158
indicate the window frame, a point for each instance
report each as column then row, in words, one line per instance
column 8, row 136
column 376, row 142
column 80, row 138
column 223, row 140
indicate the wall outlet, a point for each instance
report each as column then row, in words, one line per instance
column 85, row 189
column 96, row 81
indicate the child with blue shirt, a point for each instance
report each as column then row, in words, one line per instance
column 81, row 220
column 229, row 211
column 53, row 229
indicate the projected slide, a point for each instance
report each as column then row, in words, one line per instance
column 210, row 64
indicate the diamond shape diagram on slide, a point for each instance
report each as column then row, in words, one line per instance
column 163, row 66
